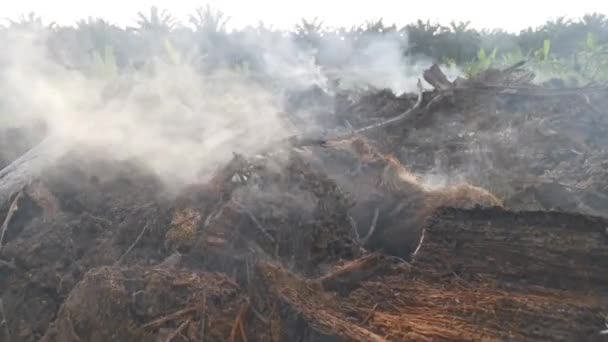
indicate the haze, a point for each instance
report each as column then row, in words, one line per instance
column 509, row 15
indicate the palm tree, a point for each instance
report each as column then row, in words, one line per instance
column 97, row 32
column 31, row 21
column 424, row 38
column 531, row 39
column 501, row 40
column 99, row 37
column 153, row 33
column 595, row 20
column 378, row 26
column 208, row 20
column 309, row 27
column 463, row 42
column 597, row 24
column 309, row 32
column 157, row 22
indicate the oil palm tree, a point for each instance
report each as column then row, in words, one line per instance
column 462, row 42
column 156, row 21
column 30, row 21
column 208, row 20
column 424, row 37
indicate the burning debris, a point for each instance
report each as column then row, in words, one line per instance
column 336, row 237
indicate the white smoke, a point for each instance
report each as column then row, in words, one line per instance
column 176, row 119
column 173, row 118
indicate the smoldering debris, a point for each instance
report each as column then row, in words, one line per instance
column 341, row 240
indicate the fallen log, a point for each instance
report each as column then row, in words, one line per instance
column 499, row 82
column 549, row 249
column 310, row 306
column 414, row 309
column 531, row 91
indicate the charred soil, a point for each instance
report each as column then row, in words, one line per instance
column 354, row 240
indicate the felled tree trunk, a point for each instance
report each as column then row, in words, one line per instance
column 553, row 250
column 307, row 311
column 435, row 77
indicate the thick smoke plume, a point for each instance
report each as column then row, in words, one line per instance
column 170, row 116
column 183, row 112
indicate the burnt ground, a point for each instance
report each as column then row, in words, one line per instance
column 417, row 231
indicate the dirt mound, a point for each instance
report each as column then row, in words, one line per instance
column 400, row 203
column 536, row 148
column 88, row 214
column 138, row 304
column 86, row 218
column 278, row 207
column 327, row 240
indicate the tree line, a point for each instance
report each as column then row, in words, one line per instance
column 157, row 32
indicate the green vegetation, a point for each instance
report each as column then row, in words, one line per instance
column 576, row 50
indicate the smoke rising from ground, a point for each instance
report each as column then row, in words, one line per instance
column 182, row 112
column 172, row 117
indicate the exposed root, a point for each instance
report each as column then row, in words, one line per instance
column 397, row 118
column 238, row 325
column 4, row 321
column 213, row 215
column 255, row 221
column 372, row 228
column 100, row 219
column 178, row 330
column 419, row 244
column 436, row 99
column 71, row 328
column 242, row 330
column 353, row 225
column 133, row 245
column 203, row 317
column 9, row 216
column 297, row 141
column 259, row 316
column 370, row 314
column 162, row 320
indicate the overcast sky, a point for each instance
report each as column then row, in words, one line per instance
column 511, row 15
